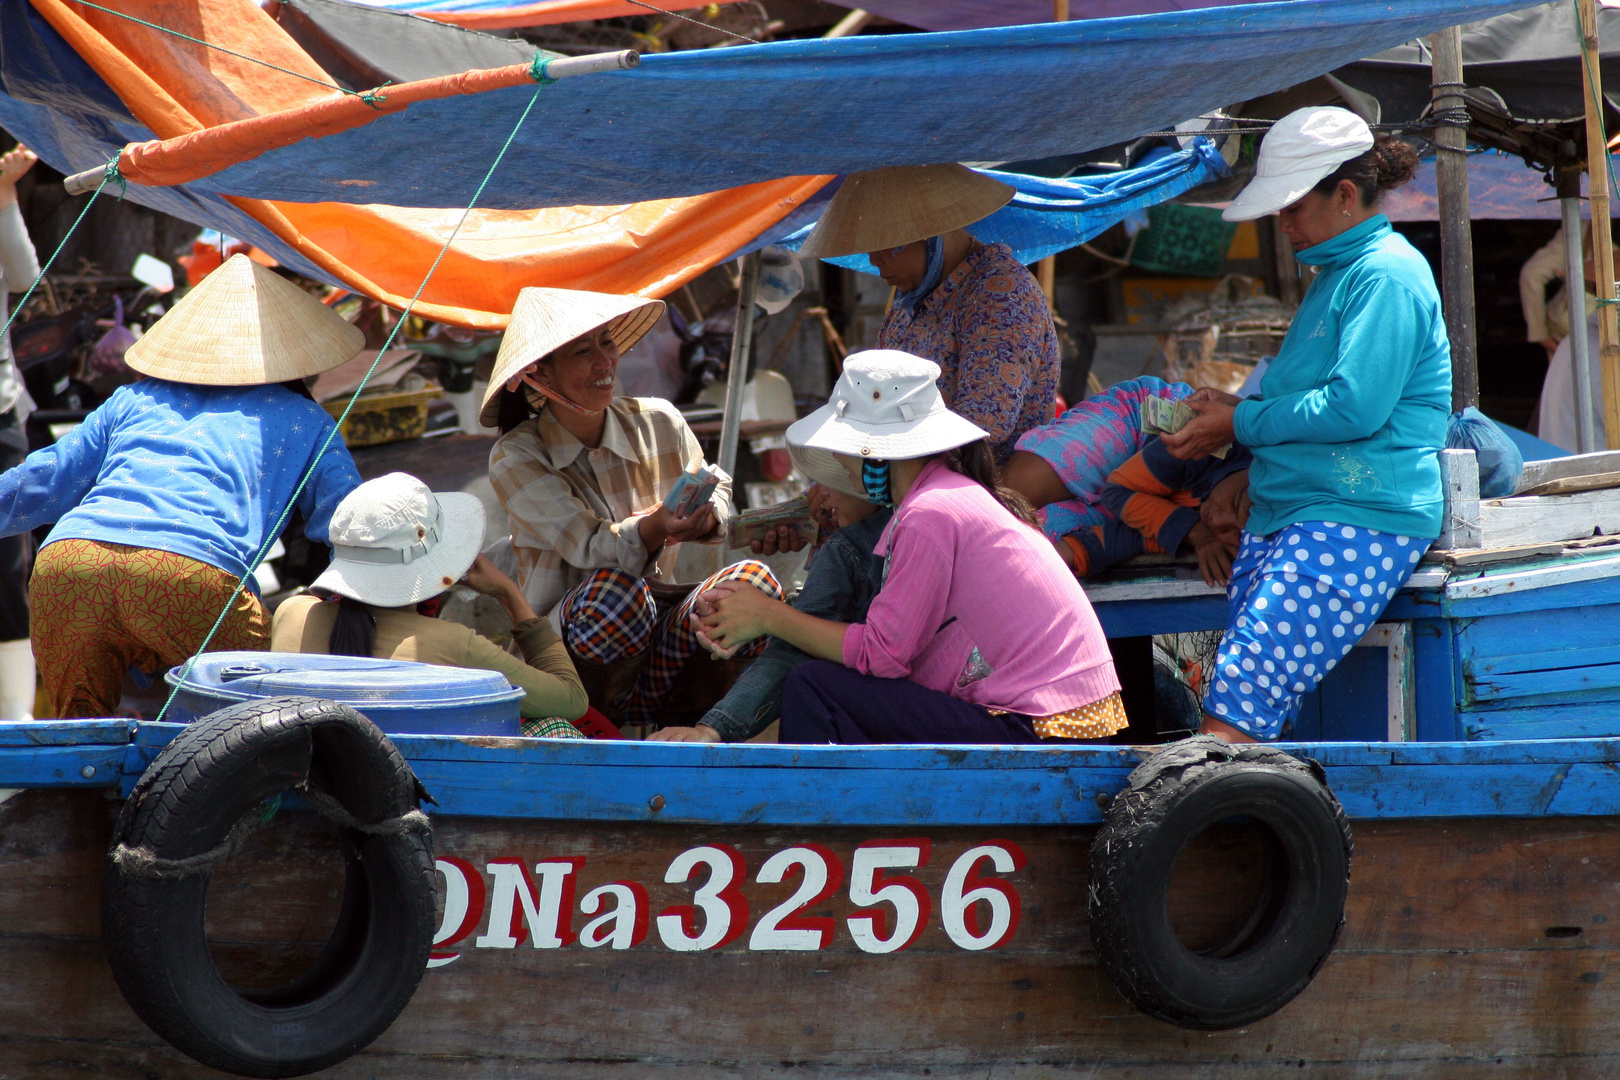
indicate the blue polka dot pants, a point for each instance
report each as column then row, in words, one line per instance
column 1300, row 600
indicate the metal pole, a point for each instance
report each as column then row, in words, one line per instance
column 1597, row 154
column 742, row 340
column 1456, row 239
column 1569, row 201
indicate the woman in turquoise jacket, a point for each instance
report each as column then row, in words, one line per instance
column 1345, row 431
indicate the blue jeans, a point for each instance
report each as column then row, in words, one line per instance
column 824, row 702
column 843, row 579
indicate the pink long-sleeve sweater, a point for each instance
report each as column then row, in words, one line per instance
column 979, row 606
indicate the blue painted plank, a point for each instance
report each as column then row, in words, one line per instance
column 1557, row 597
column 1589, row 720
column 1435, row 680
column 1482, row 666
column 64, row 732
column 1427, row 791
column 61, row 766
column 741, row 795
column 1593, row 682
column 1590, row 790
column 1139, row 618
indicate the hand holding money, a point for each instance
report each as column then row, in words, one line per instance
column 1208, row 432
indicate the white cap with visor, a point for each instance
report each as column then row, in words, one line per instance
column 1298, row 151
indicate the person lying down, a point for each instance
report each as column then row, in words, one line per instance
column 1162, row 504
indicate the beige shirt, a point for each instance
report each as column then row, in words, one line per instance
column 551, row 686
column 575, row 509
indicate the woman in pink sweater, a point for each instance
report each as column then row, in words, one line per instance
column 980, row 633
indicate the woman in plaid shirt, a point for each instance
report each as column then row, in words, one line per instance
column 583, row 475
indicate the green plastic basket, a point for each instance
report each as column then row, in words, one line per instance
column 1188, row 240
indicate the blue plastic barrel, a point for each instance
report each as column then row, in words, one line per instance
column 398, row 696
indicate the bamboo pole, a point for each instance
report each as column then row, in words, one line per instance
column 1456, row 238
column 1602, row 244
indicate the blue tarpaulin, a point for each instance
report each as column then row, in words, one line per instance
column 1048, row 216
column 708, row 120
column 704, row 120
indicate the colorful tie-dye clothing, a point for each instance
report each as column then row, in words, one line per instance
column 988, row 328
column 1089, row 442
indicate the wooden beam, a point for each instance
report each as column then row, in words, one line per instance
column 1602, row 244
column 1456, row 239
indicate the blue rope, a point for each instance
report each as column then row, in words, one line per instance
column 281, row 522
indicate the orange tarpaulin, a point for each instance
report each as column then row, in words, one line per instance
column 182, row 89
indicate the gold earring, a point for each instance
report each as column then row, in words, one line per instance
column 1346, row 213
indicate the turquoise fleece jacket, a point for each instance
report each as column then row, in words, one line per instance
column 1352, row 413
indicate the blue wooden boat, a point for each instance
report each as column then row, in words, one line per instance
column 654, row 909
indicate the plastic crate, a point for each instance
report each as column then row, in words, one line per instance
column 386, row 417
column 1190, row 240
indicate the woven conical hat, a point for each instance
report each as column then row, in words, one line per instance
column 244, row 325
column 887, row 208
column 544, row 320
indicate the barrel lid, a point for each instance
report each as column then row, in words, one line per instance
column 349, row 680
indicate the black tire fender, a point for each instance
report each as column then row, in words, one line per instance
column 1168, row 800
column 189, row 810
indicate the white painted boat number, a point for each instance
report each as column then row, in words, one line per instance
column 977, row 908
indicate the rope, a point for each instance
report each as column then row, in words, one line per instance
column 108, row 175
column 370, row 97
column 142, row 862
column 707, row 26
column 281, row 522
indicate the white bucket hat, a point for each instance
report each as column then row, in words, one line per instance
column 886, row 406
column 394, row 542
column 1298, row 151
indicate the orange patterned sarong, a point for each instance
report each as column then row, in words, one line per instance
column 99, row 609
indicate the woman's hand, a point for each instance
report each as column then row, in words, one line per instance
column 736, row 614
column 486, row 577
column 780, row 539
column 662, row 527
column 1207, row 432
column 1214, row 555
column 700, row 733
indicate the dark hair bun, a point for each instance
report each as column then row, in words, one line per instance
column 1393, row 163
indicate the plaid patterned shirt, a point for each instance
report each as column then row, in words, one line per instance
column 574, row 509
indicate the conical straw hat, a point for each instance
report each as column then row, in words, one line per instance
column 544, row 320
column 244, row 325
column 887, row 208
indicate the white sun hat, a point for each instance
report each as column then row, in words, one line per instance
column 394, row 542
column 886, row 406
column 1298, row 151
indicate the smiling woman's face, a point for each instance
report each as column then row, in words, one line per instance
column 583, row 371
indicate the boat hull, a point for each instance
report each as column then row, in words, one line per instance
column 1471, row 946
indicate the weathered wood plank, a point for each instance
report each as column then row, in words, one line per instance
column 65, row 732
column 1537, row 473
column 1446, row 969
column 1584, row 720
